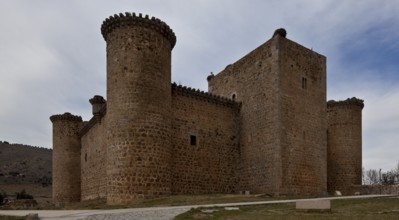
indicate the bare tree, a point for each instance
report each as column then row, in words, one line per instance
column 396, row 173
column 372, row 177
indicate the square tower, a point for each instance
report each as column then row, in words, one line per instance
column 282, row 88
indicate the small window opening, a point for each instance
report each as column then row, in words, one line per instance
column 86, row 157
column 304, row 83
column 193, row 140
column 233, row 97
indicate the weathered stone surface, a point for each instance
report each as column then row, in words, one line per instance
column 32, row 216
column 94, row 160
column 66, row 157
column 282, row 88
column 210, row 164
column 344, row 145
column 138, row 110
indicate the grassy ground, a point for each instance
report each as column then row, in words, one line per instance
column 3, row 217
column 177, row 200
column 373, row 208
column 41, row 194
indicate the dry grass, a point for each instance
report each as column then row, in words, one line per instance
column 41, row 194
column 4, row 217
column 373, row 208
column 176, row 200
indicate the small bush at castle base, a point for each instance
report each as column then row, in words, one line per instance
column 23, row 195
column 2, row 198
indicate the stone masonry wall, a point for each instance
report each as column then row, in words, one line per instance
column 66, row 158
column 344, row 137
column 94, row 160
column 303, row 118
column 253, row 81
column 262, row 127
column 282, row 87
column 138, row 107
column 207, row 164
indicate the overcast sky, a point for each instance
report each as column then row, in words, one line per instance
column 52, row 55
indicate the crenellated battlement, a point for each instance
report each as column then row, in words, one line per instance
column 131, row 19
column 66, row 117
column 349, row 101
column 198, row 94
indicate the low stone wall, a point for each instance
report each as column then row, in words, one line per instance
column 377, row 189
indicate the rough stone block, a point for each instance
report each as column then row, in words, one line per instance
column 314, row 205
column 32, row 216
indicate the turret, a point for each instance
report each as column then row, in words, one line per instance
column 138, row 107
column 344, row 145
column 98, row 103
column 66, row 158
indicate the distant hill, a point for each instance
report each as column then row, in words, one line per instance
column 23, row 164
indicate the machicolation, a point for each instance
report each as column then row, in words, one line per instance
column 130, row 19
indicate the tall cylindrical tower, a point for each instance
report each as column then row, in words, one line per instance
column 138, row 107
column 344, row 145
column 66, row 158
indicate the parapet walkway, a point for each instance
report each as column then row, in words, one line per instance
column 151, row 213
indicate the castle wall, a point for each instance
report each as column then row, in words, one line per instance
column 265, row 127
column 253, row 81
column 210, row 164
column 344, row 139
column 66, row 158
column 93, row 161
column 303, row 118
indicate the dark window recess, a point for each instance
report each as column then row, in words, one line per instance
column 233, row 97
column 85, row 157
column 193, row 140
column 304, row 83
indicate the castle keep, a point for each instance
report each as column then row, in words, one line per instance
column 264, row 125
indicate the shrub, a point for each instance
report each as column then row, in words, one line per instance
column 3, row 196
column 23, row 195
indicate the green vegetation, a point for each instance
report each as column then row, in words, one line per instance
column 3, row 195
column 373, row 208
column 176, row 200
column 23, row 195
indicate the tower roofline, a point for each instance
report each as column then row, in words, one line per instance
column 348, row 101
column 66, row 117
column 97, row 100
column 197, row 94
column 131, row 19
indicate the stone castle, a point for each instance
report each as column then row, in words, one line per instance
column 264, row 125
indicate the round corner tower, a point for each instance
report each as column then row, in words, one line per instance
column 66, row 158
column 344, row 145
column 138, row 107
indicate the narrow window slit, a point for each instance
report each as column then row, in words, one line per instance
column 304, row 83
column 193, row 140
